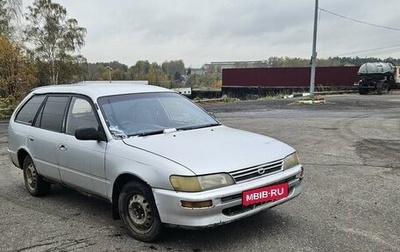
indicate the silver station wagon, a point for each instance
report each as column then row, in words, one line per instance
column 160, row 159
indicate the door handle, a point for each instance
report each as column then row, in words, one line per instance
column 31, row 139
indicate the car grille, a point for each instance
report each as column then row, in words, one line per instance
column 238, row 209
column 256, row 171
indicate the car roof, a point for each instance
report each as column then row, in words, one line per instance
column 99, row 89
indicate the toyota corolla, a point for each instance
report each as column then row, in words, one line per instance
column 160, row 159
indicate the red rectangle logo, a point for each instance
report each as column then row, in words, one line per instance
column 268, row 193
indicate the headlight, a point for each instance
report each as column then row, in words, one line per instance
column 290, row 161
column 200, row 183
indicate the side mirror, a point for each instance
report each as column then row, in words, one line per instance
column 88, row 134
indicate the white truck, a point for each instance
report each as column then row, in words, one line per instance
column 379, row 77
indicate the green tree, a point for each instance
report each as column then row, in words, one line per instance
column 73, row 70
column 140, row 70
column 156, row 76
column 205, row 81
column 174, row 68
column 52, row 36
column 275, row 61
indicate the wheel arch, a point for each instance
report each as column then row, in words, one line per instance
column 21, row 155
column 117, row 187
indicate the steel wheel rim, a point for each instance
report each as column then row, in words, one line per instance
column 31, row 177
column 140, row 213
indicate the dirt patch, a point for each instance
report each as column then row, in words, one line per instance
column 380, row 153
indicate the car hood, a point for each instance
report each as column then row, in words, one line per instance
column 213, row 149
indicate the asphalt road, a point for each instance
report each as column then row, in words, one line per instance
column 350, row 148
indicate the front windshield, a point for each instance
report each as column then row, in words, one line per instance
column 149, row 113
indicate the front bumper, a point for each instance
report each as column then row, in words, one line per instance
column 226, row 202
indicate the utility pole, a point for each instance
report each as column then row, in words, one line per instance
column 314, row 51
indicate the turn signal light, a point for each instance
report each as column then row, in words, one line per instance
column 196, row 204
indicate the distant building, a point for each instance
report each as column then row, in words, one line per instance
column 199, row 71
column 236, row 64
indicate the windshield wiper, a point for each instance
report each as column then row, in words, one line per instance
column 154, row 132
column 146, row 133
column 199, row 126
column 149, row 133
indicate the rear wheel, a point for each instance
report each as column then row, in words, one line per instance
column 33, row 181
column 138, row 211
column 385, row 88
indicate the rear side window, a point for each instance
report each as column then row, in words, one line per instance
column 29, row 110
column 53, row 113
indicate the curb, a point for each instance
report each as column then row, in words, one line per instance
column 320, row 93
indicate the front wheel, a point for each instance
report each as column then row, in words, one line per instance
column 362, row 90
column 138, row 211
column 33, row 181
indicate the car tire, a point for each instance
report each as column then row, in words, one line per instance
column 362, row 91
column 34, row 183
column 138, row 211
column 383, row 88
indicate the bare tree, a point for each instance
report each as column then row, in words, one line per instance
column 10, row 11
column 52, row 36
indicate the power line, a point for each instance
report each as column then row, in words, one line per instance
column 359, row 21
column 386, row 49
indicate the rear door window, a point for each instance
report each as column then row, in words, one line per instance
column 52, row 114
column 28, row 112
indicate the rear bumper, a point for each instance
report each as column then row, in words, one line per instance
column 13, row 157
column 226, row 202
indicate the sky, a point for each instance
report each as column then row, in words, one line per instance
column 200, row 32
